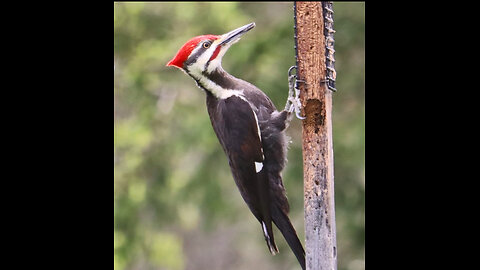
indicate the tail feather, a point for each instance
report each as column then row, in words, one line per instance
column 286, row 228
column 269, row 238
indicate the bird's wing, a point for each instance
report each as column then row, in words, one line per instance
column 240, row 137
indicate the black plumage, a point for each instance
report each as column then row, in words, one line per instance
column 250, row 130
column 234, row 123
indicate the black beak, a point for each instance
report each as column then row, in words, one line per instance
column 232, row 36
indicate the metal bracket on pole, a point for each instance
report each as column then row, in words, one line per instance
column 330, row 43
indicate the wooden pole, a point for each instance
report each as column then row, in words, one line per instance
column 316, row 98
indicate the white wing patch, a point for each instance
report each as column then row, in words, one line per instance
column 258, row 166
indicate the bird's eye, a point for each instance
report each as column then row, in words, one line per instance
column 206, row 45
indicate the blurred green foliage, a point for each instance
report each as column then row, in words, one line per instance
column 175, row 203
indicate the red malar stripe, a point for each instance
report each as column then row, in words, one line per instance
column 215, row 53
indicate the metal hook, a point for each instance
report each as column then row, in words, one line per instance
column 290, row 70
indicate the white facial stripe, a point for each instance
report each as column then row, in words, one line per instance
column 217, row 62
column 203, row 59
column 200, row 62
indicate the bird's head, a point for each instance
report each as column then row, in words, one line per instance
column 203, row 54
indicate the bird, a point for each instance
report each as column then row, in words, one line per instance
column 250, row 130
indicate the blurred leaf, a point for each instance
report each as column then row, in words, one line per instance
column 166, row 251
column 173, row 190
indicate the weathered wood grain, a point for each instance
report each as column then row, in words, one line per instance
column 320, row 231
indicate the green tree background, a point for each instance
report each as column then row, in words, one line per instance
column 175, row 203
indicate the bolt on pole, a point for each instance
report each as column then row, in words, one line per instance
column 316, row 99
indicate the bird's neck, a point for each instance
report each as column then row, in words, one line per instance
column 218, row 82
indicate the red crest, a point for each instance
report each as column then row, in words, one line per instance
column 187, row 48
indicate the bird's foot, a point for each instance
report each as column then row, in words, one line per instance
column 293, row 100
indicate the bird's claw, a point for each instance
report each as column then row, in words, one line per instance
column 295, row 105
column 293, row 101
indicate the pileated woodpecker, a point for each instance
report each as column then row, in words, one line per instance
column 250, row 130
